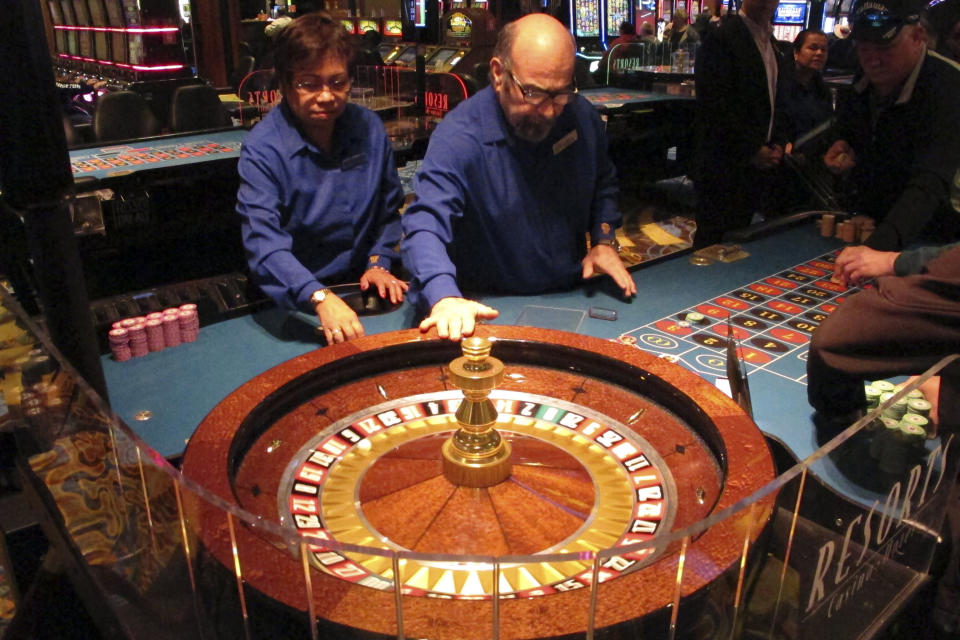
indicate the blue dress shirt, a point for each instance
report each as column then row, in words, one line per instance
column 310, row 218
column 498, row 214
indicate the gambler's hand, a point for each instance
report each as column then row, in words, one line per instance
column 603, row 258
column 386, row 284
column 456, row 318
column 931, row 391
column 840, row 157
column 856, row 265
column 767, row 157
column 339, row 321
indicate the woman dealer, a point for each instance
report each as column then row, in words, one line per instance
column 319, row 192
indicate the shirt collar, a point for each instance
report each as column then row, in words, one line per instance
column 494, row 127
column 758, row 31
column 906, row 92
column 347, row 134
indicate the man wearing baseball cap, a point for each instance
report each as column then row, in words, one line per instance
column 897, row 136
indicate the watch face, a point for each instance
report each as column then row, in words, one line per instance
column 318, row 296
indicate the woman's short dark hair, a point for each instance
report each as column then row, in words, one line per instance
column 803, row 35
column 308, row 41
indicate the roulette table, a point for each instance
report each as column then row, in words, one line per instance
column 313, row 484
column 611, row 447
column 617, row 100
column 179, row 387
column 162, row 152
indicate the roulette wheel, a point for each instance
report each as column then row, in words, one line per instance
column 611, row 447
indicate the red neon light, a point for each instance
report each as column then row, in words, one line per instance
column 135, row 67
column 68, row 27
column 167, row 67
column 462, row 84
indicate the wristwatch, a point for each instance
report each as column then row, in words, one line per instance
column 319, row 296
column 610, row 242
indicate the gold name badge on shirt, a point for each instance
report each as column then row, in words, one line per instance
column 564, row 142
column 353, row 161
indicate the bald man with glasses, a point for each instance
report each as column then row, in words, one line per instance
column 513, row 181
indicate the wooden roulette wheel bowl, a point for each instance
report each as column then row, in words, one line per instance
column 612, row 446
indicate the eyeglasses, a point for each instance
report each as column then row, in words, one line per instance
column 312, row 86
column 537, row 97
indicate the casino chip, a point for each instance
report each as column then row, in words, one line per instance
column 135, row 337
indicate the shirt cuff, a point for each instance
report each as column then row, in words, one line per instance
column 382, row 262
column 303, row 298
column 440, row 287
column 603, row 231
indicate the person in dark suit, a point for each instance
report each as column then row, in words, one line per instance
column 736, row 80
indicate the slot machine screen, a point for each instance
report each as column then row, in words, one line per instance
column 617, row 11
column 364, row 25
column 114, row 13
column 82, row 14
column 418, row 12
column 408, row 56
column 118, row 41
column 459, row 27
column 98, row 13
column 385, row 51
column 440, row 58
column 794, row 13
column 56, row 18
column 68, row 19
column 393, row 28
column 587, row 18
column 98, row 18
column 349, row 25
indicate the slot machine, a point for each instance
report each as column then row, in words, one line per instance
column 392, row 33
column 118, row 38
column 468, row 38
column 789, row 20
column 835, row 17
column 132, row 45
column 586, row 24
column 101, row 40
column 349, row 25
column 367, row 24
column 616, row 12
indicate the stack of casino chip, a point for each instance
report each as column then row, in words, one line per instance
column 120, row 344
column 154, row 330
column 138, row 339
column 134, row 337
column 899, row 435
column 189, row 323
column 171, row 328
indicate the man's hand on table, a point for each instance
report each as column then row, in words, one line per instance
column 340, row 323
column 840, row 157
column 387, row 285
column 603, row 258
column 456, row 318
column 856, row 265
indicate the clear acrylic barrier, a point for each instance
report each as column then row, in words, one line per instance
column 649, row 65
column 390, row 91
column 830, row 548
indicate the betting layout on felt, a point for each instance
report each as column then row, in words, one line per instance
column 773, row 318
